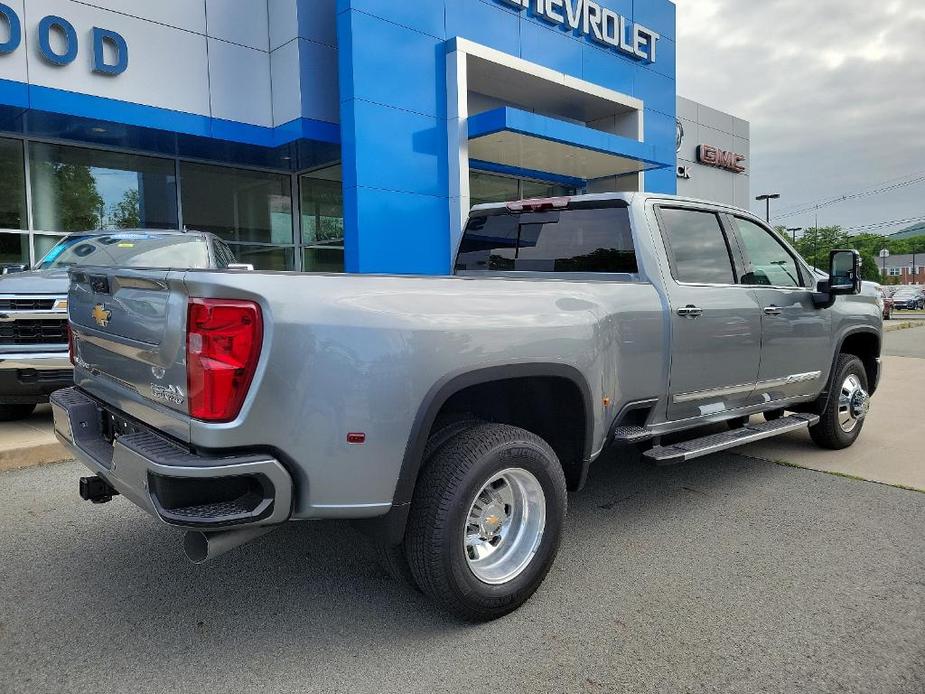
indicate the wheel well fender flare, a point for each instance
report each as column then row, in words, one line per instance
column 841, row 344
column 441, row 392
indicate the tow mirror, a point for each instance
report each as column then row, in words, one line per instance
column 844, row 278
column 844, row 272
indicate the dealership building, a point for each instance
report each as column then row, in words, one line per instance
column 329, row 135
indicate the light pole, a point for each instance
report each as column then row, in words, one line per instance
column 884, row 254
column 794, row 230
column 766, row 199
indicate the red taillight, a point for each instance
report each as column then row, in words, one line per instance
column 223, row 341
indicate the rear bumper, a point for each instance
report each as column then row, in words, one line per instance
column 31, row 378
column 181, row 488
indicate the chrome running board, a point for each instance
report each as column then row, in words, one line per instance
column 697, row 448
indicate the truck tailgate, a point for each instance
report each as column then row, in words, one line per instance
column 129, row 332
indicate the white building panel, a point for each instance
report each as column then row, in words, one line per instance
column 240, row 79
column 245, row 22
column 168, row 67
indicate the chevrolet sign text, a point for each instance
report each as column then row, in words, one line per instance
column 597, row 23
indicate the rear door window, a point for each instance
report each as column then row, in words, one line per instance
column 698, row 246
column 596, row 240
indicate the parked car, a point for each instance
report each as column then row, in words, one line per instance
column 33, row 304
column 910, row 299
column 449, row 415
column 887, row 302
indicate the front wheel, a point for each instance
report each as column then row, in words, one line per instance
column 486, row 520
column 841, row 422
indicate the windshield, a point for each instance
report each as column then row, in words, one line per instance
column 129, row 250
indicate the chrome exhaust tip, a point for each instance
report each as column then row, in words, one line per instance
column 201, row 547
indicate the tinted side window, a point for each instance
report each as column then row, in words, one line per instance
column 576, row 240
column 698, row 247
column 771, row 264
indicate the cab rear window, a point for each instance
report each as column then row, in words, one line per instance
column 596, row 240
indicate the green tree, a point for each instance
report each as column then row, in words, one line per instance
column 77, row 203
column 816, row 244
column 870, row 270
column 126, row 214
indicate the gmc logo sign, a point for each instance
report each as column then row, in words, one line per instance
column 713, row 156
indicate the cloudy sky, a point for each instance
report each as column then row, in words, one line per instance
column 834, row 90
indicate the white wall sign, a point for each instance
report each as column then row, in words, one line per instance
column 598, row 23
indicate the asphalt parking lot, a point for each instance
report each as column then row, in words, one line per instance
column 726, row 575
column 906, row 343
column 729, row 574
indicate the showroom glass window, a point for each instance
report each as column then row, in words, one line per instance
column 489, row 188
column 76, row 189
column 322, row 208
column 251, row 210
column 14, row 247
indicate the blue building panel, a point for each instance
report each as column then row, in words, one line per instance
column 403, row 152
column 659, row 15
column 366, row 76
column 549, row 47
column 396, row 58
column 409, row 234
column 492, row 25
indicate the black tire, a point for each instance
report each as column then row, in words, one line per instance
column 828, row 433
column 773, row 415
column 392, row 557
column 452, row 478
column 12, row 413
column 737, row 423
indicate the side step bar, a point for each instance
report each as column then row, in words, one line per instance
column 697, row 448
column 627, row 435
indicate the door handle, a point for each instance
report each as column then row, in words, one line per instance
column 690, row 312
column 773, row 311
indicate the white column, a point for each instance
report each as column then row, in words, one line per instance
column 458, row 144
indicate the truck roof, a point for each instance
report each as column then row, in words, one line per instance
column 608, row 197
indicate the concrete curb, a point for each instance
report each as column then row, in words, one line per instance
column 32, row 456
column 893, row 327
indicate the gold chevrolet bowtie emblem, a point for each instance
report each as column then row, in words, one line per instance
column 101, row 315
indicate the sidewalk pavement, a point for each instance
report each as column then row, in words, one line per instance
column 890, row 449
column 30, row 442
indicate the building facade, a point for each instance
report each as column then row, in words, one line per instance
column 323, row 135
column 714, row 150
column 898, row 269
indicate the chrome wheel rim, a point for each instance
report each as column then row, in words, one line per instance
column 504, row 526
column 853, row 404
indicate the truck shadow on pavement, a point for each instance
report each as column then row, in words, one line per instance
column 314, row 577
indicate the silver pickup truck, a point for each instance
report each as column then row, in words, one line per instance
column 449, row 415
